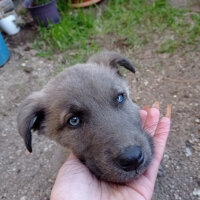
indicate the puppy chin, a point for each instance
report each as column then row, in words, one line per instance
column 116, row 175
column 94, row 169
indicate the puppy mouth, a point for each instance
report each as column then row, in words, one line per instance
column 111, row 169
column 123, row 176
column 113, row 173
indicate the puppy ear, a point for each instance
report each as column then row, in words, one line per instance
column 30, row 117
column 112, row 59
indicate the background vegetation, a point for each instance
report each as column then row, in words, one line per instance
column 135, row 23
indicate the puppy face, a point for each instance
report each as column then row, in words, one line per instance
column 87, row 109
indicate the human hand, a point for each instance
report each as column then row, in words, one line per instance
column 75, row 182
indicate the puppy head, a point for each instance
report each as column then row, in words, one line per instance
column 87, row 109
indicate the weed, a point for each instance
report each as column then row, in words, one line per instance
column 73, row 31
column 168, row 45
column 44, row 54
column 60, row 69
column 22, row 12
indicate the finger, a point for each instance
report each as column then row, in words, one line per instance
column 152, row 119
column 161, row 134
column 168, row 111
column 27, row 152
column 143, row 116
column 146, row 108
column 71, row 157
column 160, row 139
column 156, row 105
column 162, row 130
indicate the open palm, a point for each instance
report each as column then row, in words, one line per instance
column 75, row 181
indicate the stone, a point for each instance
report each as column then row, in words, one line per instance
column 197, row 121
column 196, row 192
column 188, row 152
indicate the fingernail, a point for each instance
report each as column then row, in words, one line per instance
column 27, row 153
column 168, row 111
column 146, row 108
column 156, row 105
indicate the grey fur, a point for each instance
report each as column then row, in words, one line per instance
column 89, row 91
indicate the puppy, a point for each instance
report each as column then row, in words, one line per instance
column 87, row 109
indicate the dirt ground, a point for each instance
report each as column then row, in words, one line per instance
column 169, row 79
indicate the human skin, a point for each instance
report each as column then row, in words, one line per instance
column 75, row 182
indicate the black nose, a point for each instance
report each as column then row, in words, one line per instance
column 131, row 158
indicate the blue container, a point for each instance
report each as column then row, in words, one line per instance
column 4, row 53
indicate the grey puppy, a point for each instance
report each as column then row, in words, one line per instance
column 87, row 108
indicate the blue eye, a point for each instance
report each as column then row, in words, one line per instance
column 120, row 98
column 74, row 121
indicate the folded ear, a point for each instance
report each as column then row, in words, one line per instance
column 31, row 116
column 112, row 59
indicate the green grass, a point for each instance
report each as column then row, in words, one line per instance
column 75, row 32
column 138, row 23
column 134, row 22
column 71, row 32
